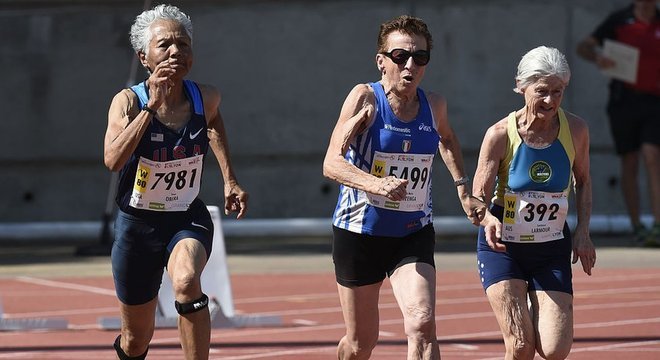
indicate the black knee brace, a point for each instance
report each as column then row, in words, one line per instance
column 122, row 355
column 192, row 307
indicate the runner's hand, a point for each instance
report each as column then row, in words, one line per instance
column 392, row 188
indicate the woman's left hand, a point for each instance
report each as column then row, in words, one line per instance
column 474, row 208
column 235, row 200
column 584, row 250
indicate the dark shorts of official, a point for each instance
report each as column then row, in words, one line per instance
column 143, row 243
column 362, row 259
column 634, row 118
column 544, row 266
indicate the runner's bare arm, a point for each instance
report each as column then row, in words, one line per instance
column 451, row 153
column 355, row 117
column 126, row 126
column 235, row 198
column 583, row 247
column 492, row 152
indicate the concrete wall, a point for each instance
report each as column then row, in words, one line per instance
column 284, row 68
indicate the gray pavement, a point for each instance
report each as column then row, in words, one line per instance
column 281, row 255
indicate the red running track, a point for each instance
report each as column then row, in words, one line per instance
column 617, row 315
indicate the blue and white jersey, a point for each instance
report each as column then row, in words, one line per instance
column 388, row 147
column 163, row 148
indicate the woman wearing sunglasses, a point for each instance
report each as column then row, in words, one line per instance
column 381, row 152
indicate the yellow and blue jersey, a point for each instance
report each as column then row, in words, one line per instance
column 525, row 168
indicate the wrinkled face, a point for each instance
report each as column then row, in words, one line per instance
column 169, row 41
column 543, row 97
column 406, row 75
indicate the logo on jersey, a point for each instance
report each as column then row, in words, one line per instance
column 157, row 137
column 540, row 172
column 193, row 136
column 406, row 145
column 427, row 128
column 397, row 129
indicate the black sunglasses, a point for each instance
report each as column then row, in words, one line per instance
column 401, row 56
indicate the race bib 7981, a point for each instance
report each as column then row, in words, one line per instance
column 167, row 186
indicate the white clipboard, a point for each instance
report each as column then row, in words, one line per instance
column 626, row 58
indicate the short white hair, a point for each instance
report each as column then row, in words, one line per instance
column 541, row 62
column 140, row 34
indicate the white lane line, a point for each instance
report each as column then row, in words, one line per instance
column 65, row 285
column 620, row 346
column 641, row 289
column 618, row 323
column 654, row 274
column 114, row 309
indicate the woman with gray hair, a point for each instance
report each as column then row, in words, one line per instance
column 530, row 160
column 157, row 137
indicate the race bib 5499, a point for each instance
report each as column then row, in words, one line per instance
column 416, row 168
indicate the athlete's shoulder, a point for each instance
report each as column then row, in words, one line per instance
column 499, row 128
column 126, row 95
column 576, row 122
column 435, row 99
column 210, row 94
column 361, row 94
column 578, row 126
column 127, row 100
column 438, row 105
column 362, row 90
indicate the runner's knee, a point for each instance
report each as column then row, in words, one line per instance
column 419, row 323
column 123, row 356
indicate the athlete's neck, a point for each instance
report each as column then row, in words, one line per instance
column 405, row 105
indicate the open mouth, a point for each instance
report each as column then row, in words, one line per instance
column 408, row 78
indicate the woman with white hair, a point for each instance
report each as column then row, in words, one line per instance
column 527, row 165
column 157, row 137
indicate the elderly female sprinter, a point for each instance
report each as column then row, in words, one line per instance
column 381, row 152
column 532, row 158
column 158, row 133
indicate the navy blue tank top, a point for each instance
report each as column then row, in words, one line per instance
column 160, row 143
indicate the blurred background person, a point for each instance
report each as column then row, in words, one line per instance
column 530, row 160
column 634, row 107
column 157, row 137
column 381, row 152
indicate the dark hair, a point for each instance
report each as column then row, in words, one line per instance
column 406, row 24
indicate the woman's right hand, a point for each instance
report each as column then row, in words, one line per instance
column 159, row 83
column 391, row 187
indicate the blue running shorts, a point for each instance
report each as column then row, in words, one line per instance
column 544, row 266
column 143, row 243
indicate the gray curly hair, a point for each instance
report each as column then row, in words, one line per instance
column 541, row 62
column 140, row 34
